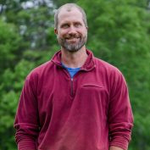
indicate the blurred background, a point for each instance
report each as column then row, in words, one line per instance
column 119, row 33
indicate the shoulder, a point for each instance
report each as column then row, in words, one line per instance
column 112, row 74
column 109, row 72
column 104, row 66
column 40, row 70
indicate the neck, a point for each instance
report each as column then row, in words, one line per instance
column 74, row 59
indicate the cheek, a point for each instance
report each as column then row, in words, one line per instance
column 85, row 33
column 82, row 31
column 62, row 34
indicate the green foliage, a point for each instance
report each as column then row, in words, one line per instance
column 9, row 95
column 58, row 3
column 33, row 24
column 119, row 32
column 9, row 44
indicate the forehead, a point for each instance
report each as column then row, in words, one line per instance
column 67, row 15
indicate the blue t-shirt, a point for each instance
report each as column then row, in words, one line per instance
column 72, row 71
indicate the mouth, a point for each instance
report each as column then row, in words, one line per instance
column 73, row 39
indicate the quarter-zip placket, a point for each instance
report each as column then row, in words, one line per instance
column 71, row 87
column 71, row 83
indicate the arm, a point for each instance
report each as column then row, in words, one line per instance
column 26, row 121
column 120, row 114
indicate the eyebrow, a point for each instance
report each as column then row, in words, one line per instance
column 67, row 23
column 64, row 24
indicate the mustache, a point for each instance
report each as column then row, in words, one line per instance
column 72, row 36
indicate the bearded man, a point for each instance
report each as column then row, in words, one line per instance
column 75, row 101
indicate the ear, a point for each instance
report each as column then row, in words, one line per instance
column 56, row 31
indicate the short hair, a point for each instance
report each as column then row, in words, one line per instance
column 69, row 6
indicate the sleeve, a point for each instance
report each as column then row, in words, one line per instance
column 26, row 121
column 120, row 115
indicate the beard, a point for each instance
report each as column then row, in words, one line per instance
column 72, row 47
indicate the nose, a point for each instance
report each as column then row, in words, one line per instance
column 72, row 30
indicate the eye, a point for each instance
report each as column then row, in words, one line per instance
column 65, row 26
column 77, row 24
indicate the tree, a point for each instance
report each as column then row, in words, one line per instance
column 119, row 34
column 25, row 41
column 9, row 45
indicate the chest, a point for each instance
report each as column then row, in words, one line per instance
column 86, row 93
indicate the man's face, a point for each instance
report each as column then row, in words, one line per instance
column 71, row 31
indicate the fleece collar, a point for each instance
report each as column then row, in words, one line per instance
column 88, row 65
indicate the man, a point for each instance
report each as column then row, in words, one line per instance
column 74, row 101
